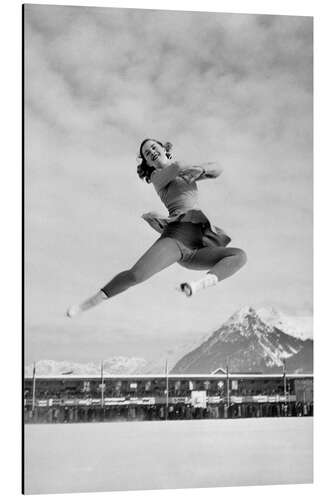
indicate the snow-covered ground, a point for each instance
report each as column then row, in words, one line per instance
column 67, row 458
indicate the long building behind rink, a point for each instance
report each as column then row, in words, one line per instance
column 82, row 398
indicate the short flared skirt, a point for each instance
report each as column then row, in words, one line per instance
column 192, row 231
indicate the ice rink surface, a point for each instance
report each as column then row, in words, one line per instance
column 64, row 458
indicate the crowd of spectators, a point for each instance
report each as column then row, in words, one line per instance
column 181, row 411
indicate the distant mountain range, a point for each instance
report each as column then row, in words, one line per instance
column 119, row 364
column 249, row 341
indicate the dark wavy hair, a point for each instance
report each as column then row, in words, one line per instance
column 144, row 171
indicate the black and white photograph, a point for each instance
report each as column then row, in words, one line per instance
column 168, row 249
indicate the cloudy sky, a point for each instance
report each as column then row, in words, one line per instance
column 227, row 87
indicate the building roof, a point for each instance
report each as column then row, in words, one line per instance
column 194, row 376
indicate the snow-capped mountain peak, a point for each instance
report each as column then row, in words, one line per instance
column 243, row 313
column 249, row 340
column 245, row 322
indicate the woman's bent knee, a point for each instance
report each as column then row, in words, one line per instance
column 241, row 255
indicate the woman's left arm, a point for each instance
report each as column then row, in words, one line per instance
column 193, row 173
column 211, row 170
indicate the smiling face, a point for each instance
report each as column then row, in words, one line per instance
column 154, row 154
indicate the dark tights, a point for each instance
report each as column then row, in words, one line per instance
column 221, row 261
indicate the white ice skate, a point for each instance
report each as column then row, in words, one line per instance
column 192, row 287
column 73, row 311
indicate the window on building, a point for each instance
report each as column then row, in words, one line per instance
column 220, row 385
column 234, row 385
column 206, row 385
column 86, row 386
column 133, row 386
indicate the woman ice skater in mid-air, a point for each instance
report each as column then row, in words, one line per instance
column 187, row 236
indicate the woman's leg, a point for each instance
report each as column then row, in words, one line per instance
column 221, row 263
column 160, row 255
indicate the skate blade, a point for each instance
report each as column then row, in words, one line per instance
column 185, row 289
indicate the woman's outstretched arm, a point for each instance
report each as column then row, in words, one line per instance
column 193, row 173
column 211, row 170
